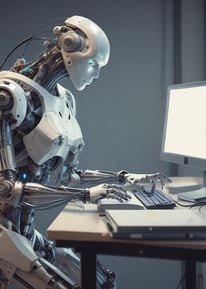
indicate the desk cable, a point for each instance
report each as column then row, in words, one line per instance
column 199, row 204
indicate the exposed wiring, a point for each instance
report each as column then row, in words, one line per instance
column 193, row 205
column 29, row 39
column 13, row 50
column 183, row 205
column 47, row 205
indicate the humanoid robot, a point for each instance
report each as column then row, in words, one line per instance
column 39, row 149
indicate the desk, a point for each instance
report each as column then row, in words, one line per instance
column 84, row 230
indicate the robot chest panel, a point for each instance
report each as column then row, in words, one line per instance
column 57, row 134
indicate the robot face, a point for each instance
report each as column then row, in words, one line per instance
column 84, row 63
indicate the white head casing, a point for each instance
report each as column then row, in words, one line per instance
column 85, row 49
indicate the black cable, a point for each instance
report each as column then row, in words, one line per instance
column 31, row 38
column 13, row 50
column 183, row 205
column 196, row 204
column 181, row 282
column 47, row 205
column 19, row 45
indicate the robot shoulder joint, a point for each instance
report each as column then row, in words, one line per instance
column 13, row 99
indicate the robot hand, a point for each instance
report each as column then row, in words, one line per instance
column 135, row 179
column 110, row 191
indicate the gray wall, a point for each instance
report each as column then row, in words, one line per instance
column 121, row 114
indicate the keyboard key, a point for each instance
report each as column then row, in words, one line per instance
column 154, row 199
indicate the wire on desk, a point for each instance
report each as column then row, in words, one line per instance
column 196, row 204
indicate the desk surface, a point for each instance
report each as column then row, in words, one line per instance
column 82, row 228
column 78, row 223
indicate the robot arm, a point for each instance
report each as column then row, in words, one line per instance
column 99, row 176
column 123, row 178
column 40, row 196
column 135, row 179
column 36, row 193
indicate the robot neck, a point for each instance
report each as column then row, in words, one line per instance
column 47, row 70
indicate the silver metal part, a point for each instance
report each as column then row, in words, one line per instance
column 100, row 176
column 36, row 193
column 7, row 158
column 146, row 178
column 19, row 99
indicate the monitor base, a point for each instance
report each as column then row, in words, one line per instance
column 181, row 187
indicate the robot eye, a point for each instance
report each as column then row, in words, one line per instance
column 93, row 62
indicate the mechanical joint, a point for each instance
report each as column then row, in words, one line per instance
column 13, row 99
column 5, row 189
column 6, row 100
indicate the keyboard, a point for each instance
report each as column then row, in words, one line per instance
column 154, row 199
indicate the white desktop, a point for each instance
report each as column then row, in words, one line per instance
column 184, row 137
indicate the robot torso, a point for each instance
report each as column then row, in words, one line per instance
column 47, row 137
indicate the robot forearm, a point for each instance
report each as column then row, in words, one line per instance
column 122, row 177
column 34, row 194
column 100, row 176
column 37, row 194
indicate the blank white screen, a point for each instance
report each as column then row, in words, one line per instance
column 186, row 122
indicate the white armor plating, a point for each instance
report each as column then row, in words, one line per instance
column 30, row 270
column 58, row 132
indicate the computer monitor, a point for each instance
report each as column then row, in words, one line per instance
column 184, row 135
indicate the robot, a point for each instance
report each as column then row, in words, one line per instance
column 39, row 151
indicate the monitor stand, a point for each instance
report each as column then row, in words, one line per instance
column 195, row 195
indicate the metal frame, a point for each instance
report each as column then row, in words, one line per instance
column 163, row 250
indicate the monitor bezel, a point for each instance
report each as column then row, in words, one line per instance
column 180, row 159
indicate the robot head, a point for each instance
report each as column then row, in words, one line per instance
column 85, row 49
